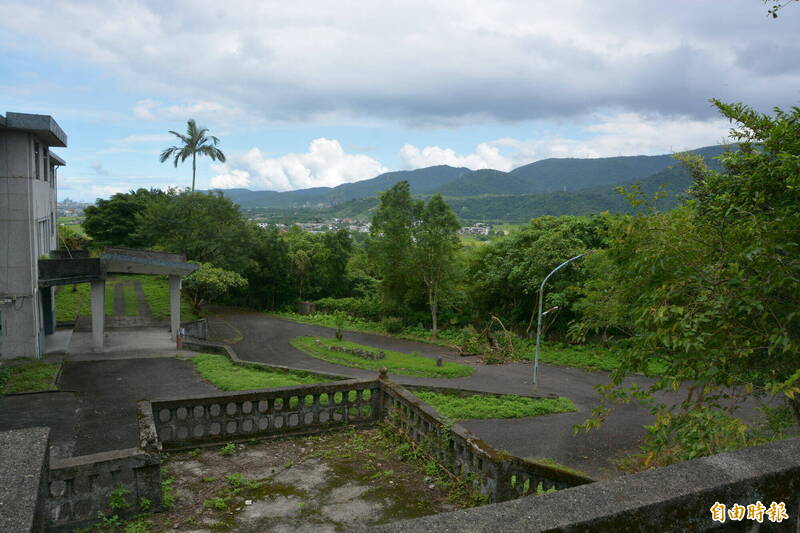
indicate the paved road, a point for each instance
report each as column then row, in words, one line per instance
column 96, row 408
column 266, row 339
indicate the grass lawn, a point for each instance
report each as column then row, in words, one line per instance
column 457, row 407
column 587, row 356
column 396, row 362
column 131, row 301
column 71, row 303
column 223, row 374
column 28, row 377
column 156, row 292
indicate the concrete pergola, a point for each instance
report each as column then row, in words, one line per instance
column 121, row 261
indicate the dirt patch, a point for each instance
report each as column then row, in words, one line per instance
column 324, row 483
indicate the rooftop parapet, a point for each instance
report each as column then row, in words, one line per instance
column 43, row 126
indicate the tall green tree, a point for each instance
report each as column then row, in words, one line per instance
column 335, row 249
column 194, row 142
column 504, row 275
column 209, row 283
column 711, row 291
column 391, row 245
column 113, row 222
column 207, row 227
column 269, row 276
column 436, row 244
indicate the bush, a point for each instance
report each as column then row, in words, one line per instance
column 367, row 307
column 392, row 324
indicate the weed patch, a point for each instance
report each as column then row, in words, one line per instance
column 458, row 407
column 226, row 376
column 28, row 377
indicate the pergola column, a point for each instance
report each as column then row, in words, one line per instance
column 174, row 305
column 98, row 313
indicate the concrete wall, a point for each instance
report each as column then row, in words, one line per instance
column 27, row 231
column 676, row 498
column 80, row 487
column 24, row 455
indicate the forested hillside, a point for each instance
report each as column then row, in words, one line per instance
column 547, row 187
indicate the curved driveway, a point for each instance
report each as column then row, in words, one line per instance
column 266, row 339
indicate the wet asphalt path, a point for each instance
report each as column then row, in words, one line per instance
column 266, row 339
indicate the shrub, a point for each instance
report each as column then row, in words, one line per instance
column 392, row 324
column 368, row 307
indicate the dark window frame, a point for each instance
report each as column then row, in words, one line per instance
column 36, row 159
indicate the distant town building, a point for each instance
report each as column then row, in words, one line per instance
column 477, row 229
column 28, row 184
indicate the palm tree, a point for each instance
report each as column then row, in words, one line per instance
column 194, row 142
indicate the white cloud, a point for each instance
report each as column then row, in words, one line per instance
column 146, row 138
column 325, row 164
column 153, row 110
column 604, row 136
column 105, row 191
column 485, row 156
column 418, row 61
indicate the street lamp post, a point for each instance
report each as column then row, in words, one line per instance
column 539, row 321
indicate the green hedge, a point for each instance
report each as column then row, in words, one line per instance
column 368, row 308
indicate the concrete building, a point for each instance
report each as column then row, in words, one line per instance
column 31, row 268
column 27, row 229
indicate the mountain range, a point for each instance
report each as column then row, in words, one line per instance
column 550, row 186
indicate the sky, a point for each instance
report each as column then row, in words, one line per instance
column 317, row 93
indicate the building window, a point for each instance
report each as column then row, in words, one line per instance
column 45, row 160
column 36, row 159
column 52, row 224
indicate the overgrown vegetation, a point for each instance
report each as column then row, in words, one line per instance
column 710, row 292
column 395, row 362
column 27, row 377
column 223, row 374
column 73, row 301
column 465, row 406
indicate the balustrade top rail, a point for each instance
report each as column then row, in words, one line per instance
column 260, row 394
column 232, row 417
